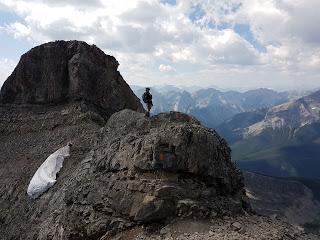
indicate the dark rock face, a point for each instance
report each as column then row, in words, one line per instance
column 173, row 164
column 135, row 170
column 66, row 71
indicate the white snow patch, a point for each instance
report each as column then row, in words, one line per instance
column 45, row 176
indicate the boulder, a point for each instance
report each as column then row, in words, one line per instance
column 134, row 170
column 146, row 170
column 67, row 71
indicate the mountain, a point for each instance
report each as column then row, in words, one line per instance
column 181, row 101
column 167, row 88
column 127, row 176
column 292, row 115
column 62, row 72
column 296, row 199
column 124, row 169
column 213, row 107
column 232, row 129
column 282, row 141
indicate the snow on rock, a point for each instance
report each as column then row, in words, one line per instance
column 45, row 176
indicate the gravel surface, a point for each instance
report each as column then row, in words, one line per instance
column 236, row 228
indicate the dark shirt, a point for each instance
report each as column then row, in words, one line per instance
column 148, row 97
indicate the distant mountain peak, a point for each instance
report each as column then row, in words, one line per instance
column 293, row 115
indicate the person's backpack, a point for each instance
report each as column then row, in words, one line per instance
column 145, row 98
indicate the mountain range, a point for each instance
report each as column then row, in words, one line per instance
column 283, row 140
column 211, row 106
column 272, row 133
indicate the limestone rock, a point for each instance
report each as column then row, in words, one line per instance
column 135, row 170
column 153, row 170
column 123, row 171
column 65, row 71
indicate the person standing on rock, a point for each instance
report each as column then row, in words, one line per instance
column 147, row 99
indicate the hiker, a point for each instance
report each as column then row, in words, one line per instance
column 147, row 99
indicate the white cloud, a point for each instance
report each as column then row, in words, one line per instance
column 19, row 30
column 166, row 68
column 193, row 37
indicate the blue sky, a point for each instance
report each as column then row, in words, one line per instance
column 234, row 44
column 171, row 2
column 11, row 47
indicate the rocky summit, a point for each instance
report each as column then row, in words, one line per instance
column 132, row 171
column 125, row 172
column 65, row 71
column 152, row 170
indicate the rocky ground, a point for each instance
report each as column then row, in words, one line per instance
column 129, row 171
column 28, row 135
column 252, row 227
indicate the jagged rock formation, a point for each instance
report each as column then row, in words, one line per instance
column 151, row 170
column 138, row 171
column 64, row 71
column 122, row 172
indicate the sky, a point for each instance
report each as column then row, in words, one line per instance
column 232, row 44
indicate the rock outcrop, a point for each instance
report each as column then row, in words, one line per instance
column 67, row 71
column 122, row 172
column 151, row 170
column 133, row 171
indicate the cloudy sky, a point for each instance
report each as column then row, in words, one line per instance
column 238, row 44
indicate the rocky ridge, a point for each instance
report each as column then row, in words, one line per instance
column 125, row 171
column 133, row 171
